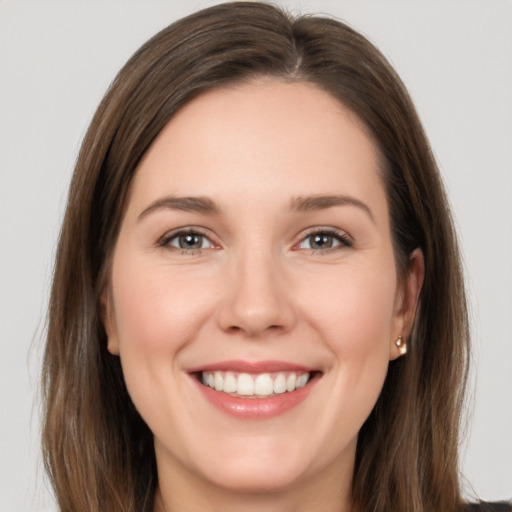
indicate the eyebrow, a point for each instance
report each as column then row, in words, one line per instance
column 317, row 202
column 206, row 206
column 200, row 204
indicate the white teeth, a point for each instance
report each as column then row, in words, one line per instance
column 263, row 384
column 245, row 384
column 301, row 381
column 229, row 383
column 290, row 382
column 219, row 381
column 280, row 383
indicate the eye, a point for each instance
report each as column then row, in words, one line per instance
column 324, row 241
column 187, row 241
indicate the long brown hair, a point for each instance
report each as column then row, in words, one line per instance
column 98, row 451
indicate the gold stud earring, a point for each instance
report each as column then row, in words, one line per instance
column 402, row 345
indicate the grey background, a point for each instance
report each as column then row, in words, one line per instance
column 58, row 57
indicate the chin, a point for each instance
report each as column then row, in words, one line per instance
column 252, row 464
column 254, row 478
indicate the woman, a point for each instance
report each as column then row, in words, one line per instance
column 258, row 302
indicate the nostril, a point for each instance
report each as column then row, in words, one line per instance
column 253, row 332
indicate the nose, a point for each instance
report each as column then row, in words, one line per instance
column 257, row 299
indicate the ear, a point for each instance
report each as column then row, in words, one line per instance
column 407, row 302
column 109, row 322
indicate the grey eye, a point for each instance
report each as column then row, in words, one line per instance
column 190, row 241
column 319, row 241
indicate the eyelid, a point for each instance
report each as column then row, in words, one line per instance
column 164, row 240
column 344, row 239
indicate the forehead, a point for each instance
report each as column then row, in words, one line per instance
column 250, row 138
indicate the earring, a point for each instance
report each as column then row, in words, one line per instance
column 402, row 345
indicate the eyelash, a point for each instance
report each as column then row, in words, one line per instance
column 342, row 239
column 166, row 240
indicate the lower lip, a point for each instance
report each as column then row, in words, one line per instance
column 257, row 408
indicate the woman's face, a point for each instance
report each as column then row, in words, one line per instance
column 255, row 255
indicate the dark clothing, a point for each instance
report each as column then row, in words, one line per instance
column 489, row 507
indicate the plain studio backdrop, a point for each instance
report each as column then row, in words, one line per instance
column 57, row 59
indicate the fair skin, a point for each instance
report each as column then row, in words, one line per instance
column 259, row 271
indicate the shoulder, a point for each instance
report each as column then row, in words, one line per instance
column 501, row 506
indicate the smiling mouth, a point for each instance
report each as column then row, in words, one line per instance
column 258, row 385
column 258, row 390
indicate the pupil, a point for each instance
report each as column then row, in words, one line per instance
column 321, row 241
column 190, row 241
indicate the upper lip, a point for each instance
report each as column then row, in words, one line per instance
column 241, row 366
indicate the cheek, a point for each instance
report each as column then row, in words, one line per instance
column 355, row 316
column 156, row 311
column 354, row 310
